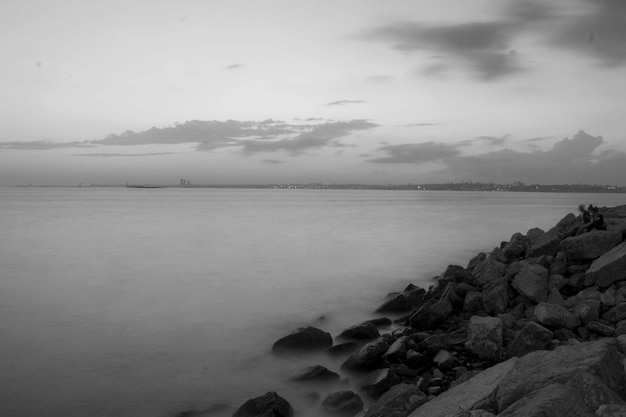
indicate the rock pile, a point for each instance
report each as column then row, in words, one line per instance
column 536, row 327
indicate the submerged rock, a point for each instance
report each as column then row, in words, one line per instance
column 361, row 331
column 268, row 405
column 315, row 373
column 368, row 358
column 344, row 403
column 304, row 339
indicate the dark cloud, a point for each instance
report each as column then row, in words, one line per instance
column 484, row 140
column 482, row 47
column 487, row 49
column 316, row 136
column 569, row 161
column 598, row 31
column 415, row 153
column 344, row 102
column 42, row 145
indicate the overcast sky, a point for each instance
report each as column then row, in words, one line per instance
column 365, row 91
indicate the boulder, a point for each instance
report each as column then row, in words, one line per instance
column 315, row 373
column 378, row 382
column 476, row 260
column 415, row 297
column 304, row 339
column 530, row 338
column 591, row 245
column 399, row 401
column 615, row 314
column 495, row 298
column 477, row 392
column 601, row 328
column 549, row 242
column 344, row 348
column 516, row 248
column 559, row 265
column 361, row 332
column 541, row 368
column 609, row 267
column 397, row 304
column 484, row 337
column 397, row 350
column 487, row 271
column 532, row 282
column 433, row 312
column 611, row 410
column 554, row 400
column 268, row 405
column 473, row 301
column 587, row 310
column 368, row 358
column 555, row 316
column 443, row 360
column 379, row 322
column 534, row 235
column 343, row 403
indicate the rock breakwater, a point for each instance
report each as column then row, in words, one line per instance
column 536, row 327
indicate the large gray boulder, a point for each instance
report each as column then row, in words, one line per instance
column 609, row 268
column 304, row 339
column 478, row 392
column 268, row 405
column 368, row 358
column 495, row 297
column 484, row 337
column 591, row 245
column 532, row 281
column 530, row 338
column 554, row 400
column 541, row 368
column 516, row 248
column 378, row 382
column 487, row 271
column 555, row 316
column 615, row 314
column 342, row 403
column 549, row 242
column 399, row 401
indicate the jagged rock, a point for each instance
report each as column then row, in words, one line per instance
column 611, row 410
column 484, row 337
column 304, row 339
column 368, row 358
column 433, row 312
column 397, row 350
column 576, row 283
column 590, row 245
column 541, row 368
column 476, row 260
column 559, row 265
column 587, row 310
column 516, row 248
column 556, row 281
column 361, row 332
column 554, row 400
column 532, row 282
column 343, row 348
column 549, row 242
column 378, row 382
column 473, row 301
column 455, row 273
column 415, row 360
column 599, row 327
column 495, row 298
column 344, row 403
column 415, row 297
column 534, row 235
column 609, row 267
column 397, row 304
column 443, row 360
column 555, row 316
column 530, row 338
column 379, row 322
column 608, row 300
column 315, row 373
column 214, row 410
column 477, row 392
column 487, row 271
column 268, row 405
column 616, row 313
column 399, row 401
column 442, row 341
column 555, row 297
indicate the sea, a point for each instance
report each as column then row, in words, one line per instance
column 135, row 302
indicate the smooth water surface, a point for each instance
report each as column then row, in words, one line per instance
column 148, row 302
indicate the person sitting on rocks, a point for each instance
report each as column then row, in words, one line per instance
column 596, row 222
column 585, row 219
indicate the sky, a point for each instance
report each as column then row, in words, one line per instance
column 285, row 91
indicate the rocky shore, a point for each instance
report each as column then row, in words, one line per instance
column 536, row 327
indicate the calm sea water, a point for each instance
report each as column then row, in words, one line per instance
column 147, row 302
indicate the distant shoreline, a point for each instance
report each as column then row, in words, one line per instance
column 464, row 186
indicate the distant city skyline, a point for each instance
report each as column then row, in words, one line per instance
column 271, row 91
